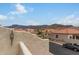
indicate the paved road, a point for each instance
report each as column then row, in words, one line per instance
column 59, row 50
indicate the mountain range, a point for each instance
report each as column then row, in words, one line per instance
column 54, row 26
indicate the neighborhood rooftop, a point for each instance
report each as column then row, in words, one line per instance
column 65, row 31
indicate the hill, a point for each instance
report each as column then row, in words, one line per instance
column 54, row 26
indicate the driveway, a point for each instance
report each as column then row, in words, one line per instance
column 57, row 49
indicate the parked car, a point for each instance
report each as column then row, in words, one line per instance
column 71, row 46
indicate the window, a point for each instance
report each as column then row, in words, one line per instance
column 77, row 37
column 56, row 36
column 70, row 37
column 73, row 37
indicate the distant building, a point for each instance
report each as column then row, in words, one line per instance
column 19, row 30
column 30, row 30
column 69, row 35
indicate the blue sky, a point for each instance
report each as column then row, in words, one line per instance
column 39, row 14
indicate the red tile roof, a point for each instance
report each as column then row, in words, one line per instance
column 65, row 31
column 19, row 30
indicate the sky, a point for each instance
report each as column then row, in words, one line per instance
column 39, row 13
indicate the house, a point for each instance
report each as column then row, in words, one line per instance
column 19, row 30
column 69, row 35
column 30, row 30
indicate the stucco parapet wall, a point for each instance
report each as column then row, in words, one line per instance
column 36, row 45
column 23, row 49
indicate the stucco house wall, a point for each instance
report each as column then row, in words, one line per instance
column 63, row 37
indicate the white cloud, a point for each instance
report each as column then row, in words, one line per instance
column 3, row 17
column 20, row 8
column 32, row 22
column 69, row 20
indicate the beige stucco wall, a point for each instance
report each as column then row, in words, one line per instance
column 35, row 44
column 60, row 36
column 64, row 37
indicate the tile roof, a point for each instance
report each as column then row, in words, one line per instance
column 65, row 31
column 19, row 30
